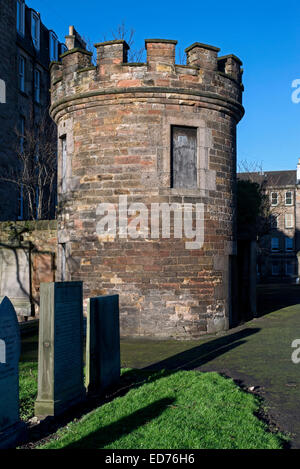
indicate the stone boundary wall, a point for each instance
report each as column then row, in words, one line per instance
column 38, row 239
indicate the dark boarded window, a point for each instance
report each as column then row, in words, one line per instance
column 184, row 157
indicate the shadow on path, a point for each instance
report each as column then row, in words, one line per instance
column 204, row 353
column 272, row 297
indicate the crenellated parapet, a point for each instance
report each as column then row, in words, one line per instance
column 206, row 79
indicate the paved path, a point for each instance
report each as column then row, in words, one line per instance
column 256, row 354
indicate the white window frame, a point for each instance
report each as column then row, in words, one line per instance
column 287, row 223
column 289, row 244
column 21, row 73
column 274, row 244
column 53, row 47
column 21, row 17
column 274, row 205
column 289, row 192
column 35, row 20
column 37, row 85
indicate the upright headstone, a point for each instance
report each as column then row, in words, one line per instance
column 102, row 344
column 11, row 428
column 60, row 370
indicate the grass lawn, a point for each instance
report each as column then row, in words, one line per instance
column 161, row 409
column 28, row 389
column 182, row 410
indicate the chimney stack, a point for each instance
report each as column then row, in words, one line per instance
column 298, row 172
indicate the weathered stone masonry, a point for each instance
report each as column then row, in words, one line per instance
column 117, row 119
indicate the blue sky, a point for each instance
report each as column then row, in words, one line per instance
column 265, row 35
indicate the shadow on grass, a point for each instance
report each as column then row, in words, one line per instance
column 187, row 360
column 110, row 433
column 29, row 349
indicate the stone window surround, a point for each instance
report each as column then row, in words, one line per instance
column 272, row 203
column 289, row 220
column 291, row 198
column 206, row 178
column 65, row 130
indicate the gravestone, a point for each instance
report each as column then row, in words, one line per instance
column 60, row 369
column 102, row 344
column 11, row 428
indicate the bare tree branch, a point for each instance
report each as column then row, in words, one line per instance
column 34, row 171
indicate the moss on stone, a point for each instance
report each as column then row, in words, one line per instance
column 73, row 51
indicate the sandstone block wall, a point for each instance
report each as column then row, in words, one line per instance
column 116, row 120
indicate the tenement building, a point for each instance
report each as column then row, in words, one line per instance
column 146, row 177
column 26, row 47
column 277, row 250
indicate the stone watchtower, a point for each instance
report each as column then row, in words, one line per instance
column 148, row 133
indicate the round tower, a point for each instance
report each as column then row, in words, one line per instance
column 146, row 177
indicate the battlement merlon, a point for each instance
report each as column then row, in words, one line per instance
column 161, row 54
column 111, row 54
column 202, row 55
column 231, row 66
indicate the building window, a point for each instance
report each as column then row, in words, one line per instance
column 275, row 244
column 184, row 157
column 289, row 268
column 275, row 268
column 288, row 198
column 35, row 29
column 21, row 187
column 53, row 46
column 289, row 220
column 63, row 48
column 289, row 245
column 63, row 261
column 21, row 17
column 21, row 69
column 64, row 164
column 22, row 133
column 21, row 203
column 274, row 221
column 274, row 198
column 37, row 86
